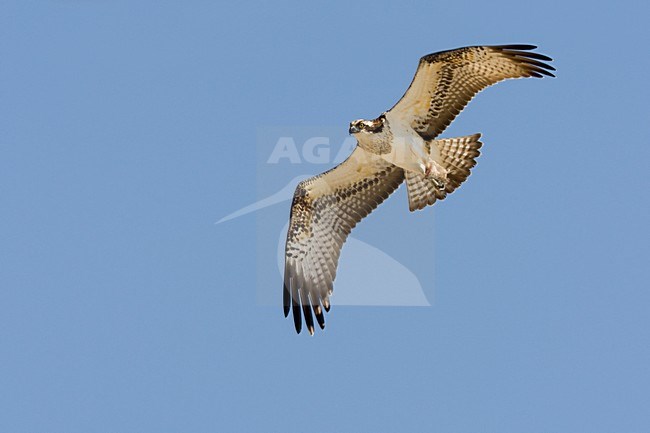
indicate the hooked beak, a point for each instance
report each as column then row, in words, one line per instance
column 354, row 128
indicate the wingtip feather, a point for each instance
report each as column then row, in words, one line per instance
column 297, row 317
column 524, row 47
column 286, row 300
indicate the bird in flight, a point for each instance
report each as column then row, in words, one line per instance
column 401, row 144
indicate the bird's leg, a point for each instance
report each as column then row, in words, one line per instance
column 435, row 172
column 428, row 168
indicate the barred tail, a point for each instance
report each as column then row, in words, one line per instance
column 457, row 156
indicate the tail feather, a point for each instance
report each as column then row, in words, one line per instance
column 457, row 156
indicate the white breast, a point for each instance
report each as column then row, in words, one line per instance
column 409, row 150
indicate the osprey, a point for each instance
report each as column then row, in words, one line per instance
column 401, row 144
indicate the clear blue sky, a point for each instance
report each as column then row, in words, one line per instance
column 130, row 127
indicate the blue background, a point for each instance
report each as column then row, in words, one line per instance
column 129, row 128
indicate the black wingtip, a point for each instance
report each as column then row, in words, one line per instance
column 532, row 61
column 524, row 47
column 297, row 318
column 320, row 318
column 537, row 56
column 309, row 319
column 540, row 73
column 297, row 321
column 286, row 300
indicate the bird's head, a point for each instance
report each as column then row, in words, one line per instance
column 362, row 126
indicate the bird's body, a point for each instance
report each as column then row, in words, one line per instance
column 401, row 144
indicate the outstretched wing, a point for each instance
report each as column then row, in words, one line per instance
column 325, row 209
column 446, row 81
